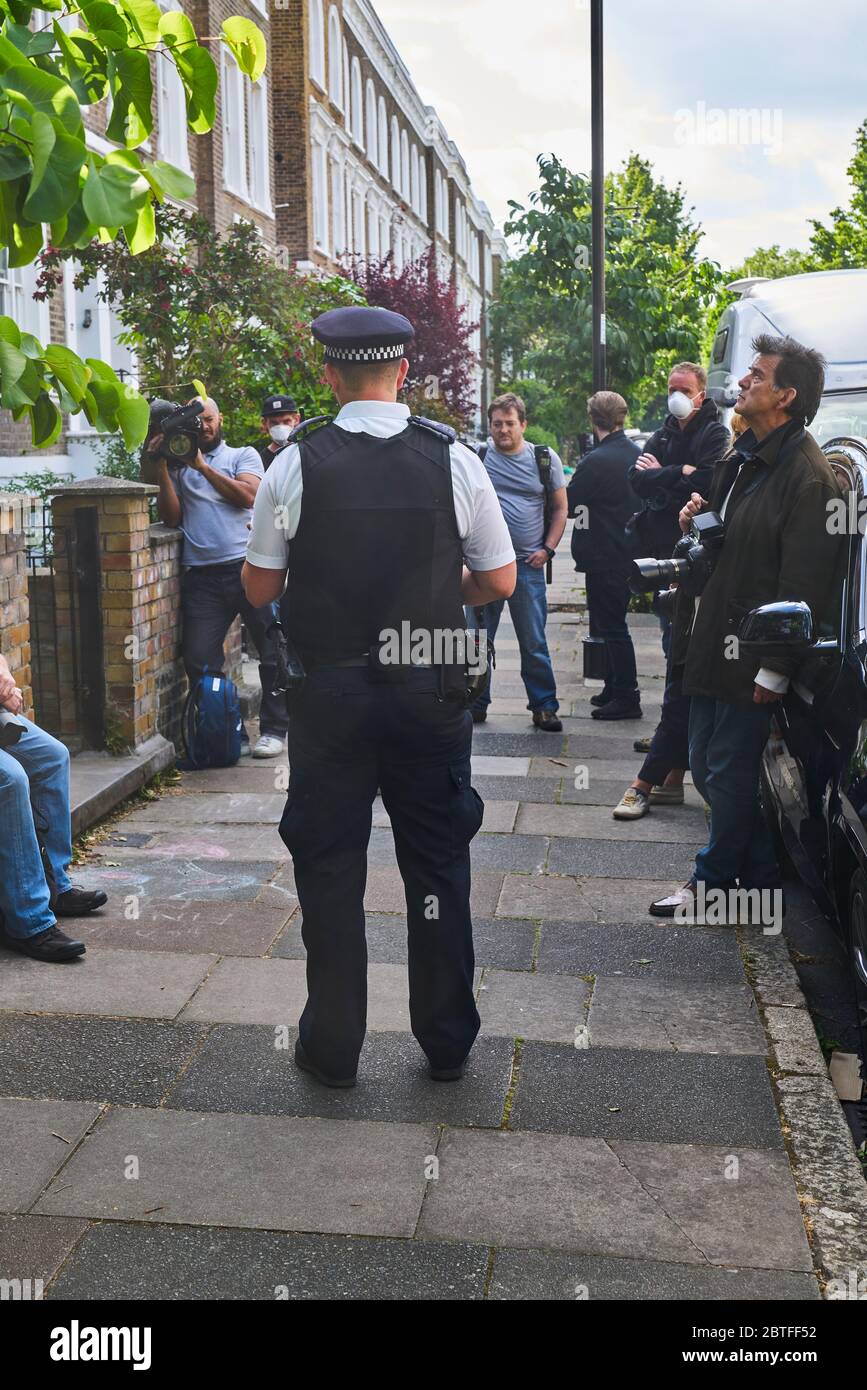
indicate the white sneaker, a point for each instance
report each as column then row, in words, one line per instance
column 269, row 746
column 633, row 804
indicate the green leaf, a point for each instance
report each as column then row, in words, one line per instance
column 247, row 44
column 196, row 68
column 12, row 364
column 84, row 63
column 46, row 421
column 169, row 182
column 145, row 17
column 42, row 92
column 24, row 243
column 57, row 164
column 132, row 114
column 29, row 42
column 13, row 162
column 112, row 194
column 106, row 23
column 69, row 369
column 31, row 347
column 133, row 416
column 9, row 331
column 200, row 389
column 142, row 233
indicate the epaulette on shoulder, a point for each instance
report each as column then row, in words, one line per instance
column 434, row 426
column 306, row 426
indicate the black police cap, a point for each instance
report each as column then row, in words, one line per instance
column 363, row 335
column 279, row 405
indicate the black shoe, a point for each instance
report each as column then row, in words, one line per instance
column 51, row 945
column 642, row 745
column 546, row 719
column 304, row 1064
column 78, row 902
column 447, row 1073
column 603, row 698
column 618, row 709
column 479, row 716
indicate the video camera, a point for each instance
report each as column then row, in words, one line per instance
column 692, row 561
column 180, row 427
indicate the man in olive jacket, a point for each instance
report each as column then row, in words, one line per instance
column 773, row 493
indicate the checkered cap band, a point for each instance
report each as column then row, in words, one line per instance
column 367, row 354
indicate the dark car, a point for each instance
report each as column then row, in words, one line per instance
column 814, row 774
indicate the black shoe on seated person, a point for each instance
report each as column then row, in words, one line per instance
column 51, row 945
column 618, row 709
column 78, row 902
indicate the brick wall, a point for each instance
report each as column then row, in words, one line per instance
column 14, row 612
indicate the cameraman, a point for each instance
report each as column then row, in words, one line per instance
column 772, row 493
column 211, row 500
column 34, row 790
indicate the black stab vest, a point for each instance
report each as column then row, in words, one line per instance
column 377, row 543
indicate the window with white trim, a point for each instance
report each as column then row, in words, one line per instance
column 234, row 133
column 414, row 193
column 317, row 42
column 357, row 122
column 259, row 143
column 16, row 298
column 372, row 232
column 404, row 165
column 172, row 141
column 384, row 240
column 383, row 138
column 422, row 179
column 358, row 223
column 395, row 154
column 335, row 59
column 350, row 244
column 338, row 209
column 261, row 6
column 320, row 199
column 372, row 142
column 347, row 91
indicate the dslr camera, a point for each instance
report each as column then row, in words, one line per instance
column 181, row 429
column 691, row 563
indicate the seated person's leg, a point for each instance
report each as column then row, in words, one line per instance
column 24, row 897
column 46, row 763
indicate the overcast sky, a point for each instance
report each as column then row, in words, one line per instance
column 511, row 79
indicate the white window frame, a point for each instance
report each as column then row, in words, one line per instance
column 335, row 60
column 17, row 302
column 337, row 191
column 372, row 123
column 320, row 198
column 372, row 230
column 359, row 224
column 317, row 43
column 258, row 144
column 232, row 93
column 261, row 6
column 382, row 121
column 404, row 166
column 357, row 104
column 422, row 183
column 395, row 154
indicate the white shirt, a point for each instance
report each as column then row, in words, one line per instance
column 277, row 511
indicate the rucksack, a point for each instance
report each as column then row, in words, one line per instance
column 211, row 724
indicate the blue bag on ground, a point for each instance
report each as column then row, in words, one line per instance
column 211, row 724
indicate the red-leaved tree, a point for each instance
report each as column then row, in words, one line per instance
column 441, row 382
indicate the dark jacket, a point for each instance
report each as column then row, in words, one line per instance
column 600, row 483
column 663, row 491
column 776, row 546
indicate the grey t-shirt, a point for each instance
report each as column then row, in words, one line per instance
column 215, row 531
column 522, row 495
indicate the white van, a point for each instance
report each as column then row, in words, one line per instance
column 826, row 310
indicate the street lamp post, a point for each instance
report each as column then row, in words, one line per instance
column 597, row 174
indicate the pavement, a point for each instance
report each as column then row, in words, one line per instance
column 628, row 1127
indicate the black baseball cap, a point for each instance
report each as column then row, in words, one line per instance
column 279, row 405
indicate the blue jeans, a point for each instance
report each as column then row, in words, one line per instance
column 529, row 609
column 726, row 743
column 34, row 790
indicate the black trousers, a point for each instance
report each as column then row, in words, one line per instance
column 212, row 596
column 669, row 747
column 348, row 736
column 607, row 602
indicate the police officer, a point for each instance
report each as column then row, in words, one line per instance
column 280, row 416
column 381, row 521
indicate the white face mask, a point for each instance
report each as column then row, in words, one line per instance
column 280, row 433
column 680, row 405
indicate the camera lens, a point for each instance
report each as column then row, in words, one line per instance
column 178, row 445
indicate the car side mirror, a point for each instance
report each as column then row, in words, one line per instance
column 788, row 625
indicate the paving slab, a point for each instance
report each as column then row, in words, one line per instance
column 506, row 745
column 178, row 879
column 625, row 857
column 675, row 1016
column 214, row 808
column 337, row 1176
column 126, row 1061
column 746, row 1214
column 668, row 1097
column 275, row 991
column 487, row 851
column 540, row 896
column 546, row 1190
column 255, row 776
column 627, row 899
column 120, row 1261
column 202, row 844
column 497, row 941
column 33, row 1247
column 521, row 1275
column 610, row 746
column 236, row 929
column 38, row 1137
column 515, row 789
column 499, row 814
column 484, row 765
column 679, row 825
column 135, row 984
column 241, row 1070
column 546, row 1007
column 640, row 952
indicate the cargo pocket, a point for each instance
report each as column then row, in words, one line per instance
column 468, row 808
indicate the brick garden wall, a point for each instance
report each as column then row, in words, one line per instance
column 14, row 612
